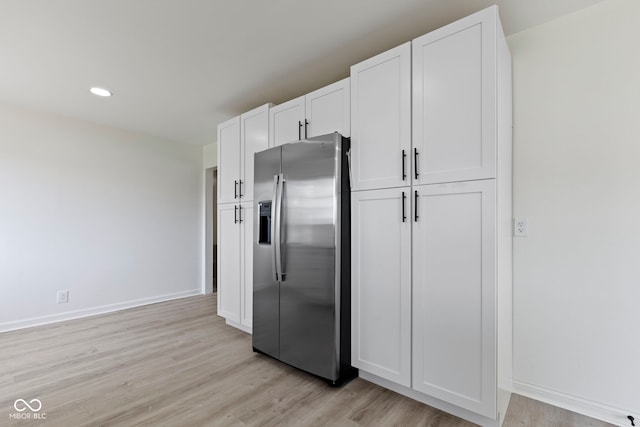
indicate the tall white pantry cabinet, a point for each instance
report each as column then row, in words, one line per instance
column 238, row 139
column 431, row 219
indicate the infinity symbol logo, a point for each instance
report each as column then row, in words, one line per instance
column 35, row 408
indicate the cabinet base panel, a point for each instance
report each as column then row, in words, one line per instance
column 237, row 325
column 442, row 405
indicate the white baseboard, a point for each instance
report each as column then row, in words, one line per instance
column 92, row 311
column 616, row 416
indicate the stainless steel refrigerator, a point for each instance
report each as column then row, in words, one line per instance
column 301, row 256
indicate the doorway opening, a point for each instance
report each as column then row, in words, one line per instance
column 211, row 230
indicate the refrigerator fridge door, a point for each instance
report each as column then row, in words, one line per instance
column 266, row 323
column 310, row 284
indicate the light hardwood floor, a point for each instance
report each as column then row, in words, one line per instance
column 177, row 364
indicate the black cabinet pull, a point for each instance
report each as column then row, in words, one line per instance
column 235, row 189
column 306, row 123
column 404, row 166
column 299, row 130
column 240, row 189
column 404, row 214
column 240, row 215
column 235, row 214
column 415, row 206
column 415, row 162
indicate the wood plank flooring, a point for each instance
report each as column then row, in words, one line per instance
column 177, row 364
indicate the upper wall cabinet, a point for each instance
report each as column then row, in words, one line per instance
column 238, row 140
column 320, row 112
column 381, row 120
column 287, row 122
column 454, row 101
column 328, row 110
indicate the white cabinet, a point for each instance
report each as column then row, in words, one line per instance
column 323, row 111
column 454, row 293
column 229, row 262
column 381, row 120
column 238, row 140
column 254, row 135
column 454, row 101
column 287, row 122
column 229, row 160
column 246, row 267
column 381, row 283
column 327, row 110
column 235, row 264
column 451, row 157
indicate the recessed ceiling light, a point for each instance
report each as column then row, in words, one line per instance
column 100, row 91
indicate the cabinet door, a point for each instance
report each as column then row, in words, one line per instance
column 381, row 283
column 328, row 110
column 246, row 237
column 454, row 101
column 381, row 120
column 454, row 294
column 254, row 133
column 286, row 122
column 228, row 160
column 229, row 262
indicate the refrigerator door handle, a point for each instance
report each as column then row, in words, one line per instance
column 274, row 230
column 278, row 237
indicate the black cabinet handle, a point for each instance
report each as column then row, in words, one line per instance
column 240, row 215
column 404, row 166
column 299, row 130
column 404, row 214
column 415, row 162
column 415, row 206
column 235, row 189
column 306, row 123
column 235, row 214
column 240, row 189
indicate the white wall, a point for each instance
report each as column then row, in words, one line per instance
column 577, row 179
column 210, row 155
column 112, row 216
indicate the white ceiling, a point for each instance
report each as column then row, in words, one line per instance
column 179, row 67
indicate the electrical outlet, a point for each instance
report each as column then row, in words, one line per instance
column 521, row 227
column 63, row 297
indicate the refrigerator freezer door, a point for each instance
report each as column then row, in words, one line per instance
column 308, row 303
column 265, row 288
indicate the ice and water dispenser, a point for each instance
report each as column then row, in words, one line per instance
column 264, row 224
